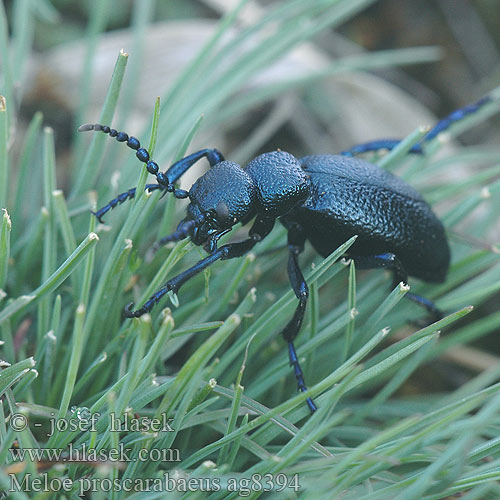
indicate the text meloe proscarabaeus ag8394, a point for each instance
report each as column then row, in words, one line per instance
column 325, row 199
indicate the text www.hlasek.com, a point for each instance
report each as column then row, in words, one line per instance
column 83, row 454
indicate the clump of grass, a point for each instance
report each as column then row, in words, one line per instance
column 232, row 414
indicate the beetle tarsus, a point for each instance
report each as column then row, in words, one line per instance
column 129, row 313
column 435, row 313
column 299, row 375
column 97, row 216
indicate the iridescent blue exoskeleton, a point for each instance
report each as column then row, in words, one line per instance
column 325, row 199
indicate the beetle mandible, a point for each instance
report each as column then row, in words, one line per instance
column 325, row 199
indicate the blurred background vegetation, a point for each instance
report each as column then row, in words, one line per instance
column 467, row 32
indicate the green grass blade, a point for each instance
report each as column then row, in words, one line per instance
column 48, row 286
column 4, row 152
column 50, row 237
column 22, row 35
column 5, row 228
column 74, row 363
column 65, row 226
column 25, row 170
column 152, row 146
column 141, row 17
column 10, row 375
column 89, row 169
column 98, row 19
column 7, row 72
column 351, row 304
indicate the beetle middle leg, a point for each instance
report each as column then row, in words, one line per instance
column 296, row 241
column 391, row 262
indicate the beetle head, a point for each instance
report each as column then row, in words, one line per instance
column 222, row 197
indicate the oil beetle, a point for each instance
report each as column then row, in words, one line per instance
column 325, row 199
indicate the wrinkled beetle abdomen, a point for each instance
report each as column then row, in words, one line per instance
column 350, row 196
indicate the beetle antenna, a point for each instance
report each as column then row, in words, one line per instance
column 131, row 141
column 141, row 153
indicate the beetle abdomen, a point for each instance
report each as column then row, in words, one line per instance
column 350, row 196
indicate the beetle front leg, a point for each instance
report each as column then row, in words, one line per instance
column 391, row 262
column 296, row 241
column 174, row 284
column 181, row 166
column 127, row 195
column 260, row 229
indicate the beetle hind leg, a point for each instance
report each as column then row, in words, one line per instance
column 391, row 262
column 441, row 126
column 299, row 286
column 378, row 145
column 435, row 313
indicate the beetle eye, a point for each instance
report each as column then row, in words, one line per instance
column 222, row 211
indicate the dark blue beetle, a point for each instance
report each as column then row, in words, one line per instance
column 325, row 199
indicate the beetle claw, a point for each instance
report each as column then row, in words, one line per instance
column 129, row 313
column 97, row 217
